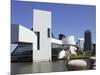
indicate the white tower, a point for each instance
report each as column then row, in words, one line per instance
column 81, row 43
column 42, row 28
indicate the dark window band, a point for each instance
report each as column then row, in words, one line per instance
column 48, row 32
column 38, row 40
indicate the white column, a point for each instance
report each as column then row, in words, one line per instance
column 42, row 25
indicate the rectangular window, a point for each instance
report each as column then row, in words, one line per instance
column 48, row 32
column 38, row 40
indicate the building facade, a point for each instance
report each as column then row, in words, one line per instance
column 87, row 41
column 80, row 44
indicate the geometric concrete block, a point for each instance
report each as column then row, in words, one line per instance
column 42, row 28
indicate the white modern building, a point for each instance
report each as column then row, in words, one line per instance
column 39, row 39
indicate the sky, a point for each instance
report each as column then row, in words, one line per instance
column 67, row 19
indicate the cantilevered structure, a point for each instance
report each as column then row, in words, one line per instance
column 39, row 39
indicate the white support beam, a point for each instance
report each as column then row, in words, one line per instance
column 22, row 34
column 56, row 41
column 26, row 35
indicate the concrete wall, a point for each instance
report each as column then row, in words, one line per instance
column 53, row 45
column 41, row 23
column 56, row 41
column 26, row 35
column 14, row 33
column 20, row 34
